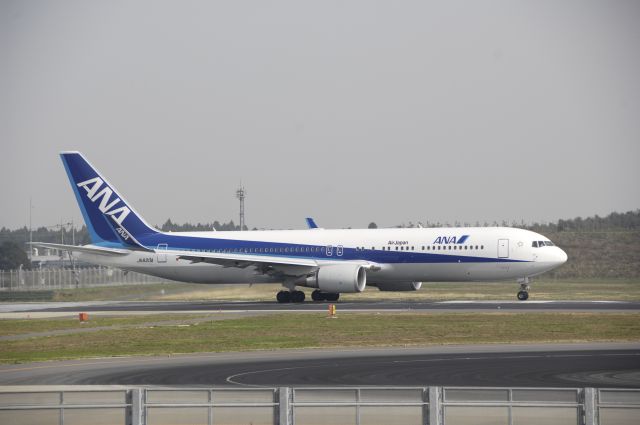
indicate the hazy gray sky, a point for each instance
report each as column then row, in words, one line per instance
column 348, row 111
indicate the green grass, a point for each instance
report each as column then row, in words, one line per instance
column 23, row 326
column 315, row 330
column 544, row 289
column 565, row 289
column 124, row 292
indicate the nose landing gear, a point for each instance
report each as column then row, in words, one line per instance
column 523, row 293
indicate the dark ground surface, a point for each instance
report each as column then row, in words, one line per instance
column 537, row 365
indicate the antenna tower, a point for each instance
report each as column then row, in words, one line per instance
column 241, row 194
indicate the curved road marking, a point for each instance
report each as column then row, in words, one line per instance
column 232, row 378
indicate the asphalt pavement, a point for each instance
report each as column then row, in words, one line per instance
column 267, row 306
column 536, row 365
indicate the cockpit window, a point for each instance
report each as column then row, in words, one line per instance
column 540, row 244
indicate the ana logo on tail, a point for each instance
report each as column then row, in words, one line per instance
column 92, row 186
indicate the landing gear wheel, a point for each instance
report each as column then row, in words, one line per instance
column 284, row 297
column 297, row 296
column 523, row 295
column 318, row 295
column 331, row 297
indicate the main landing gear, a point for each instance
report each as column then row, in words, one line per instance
column 290, row 296
column 293, row 296
column 318, row 295
column 523, row 293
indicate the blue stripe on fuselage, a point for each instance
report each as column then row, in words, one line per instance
column 196, row 244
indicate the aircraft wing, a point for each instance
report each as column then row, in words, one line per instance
column 268, row 264
column 89, row 249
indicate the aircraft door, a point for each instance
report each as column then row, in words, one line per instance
column 161, row 253
column 503, row 248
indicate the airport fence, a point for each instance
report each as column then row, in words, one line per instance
column 61, row 278
column 326, row 406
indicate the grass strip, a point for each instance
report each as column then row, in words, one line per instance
column 544, row 289
column 23, row 326
column 282, row 331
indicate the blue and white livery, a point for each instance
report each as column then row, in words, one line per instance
column 330, row 261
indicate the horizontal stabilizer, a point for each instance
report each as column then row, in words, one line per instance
column 89, row 249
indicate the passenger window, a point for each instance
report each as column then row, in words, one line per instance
column 396, row 248
column 481, row 246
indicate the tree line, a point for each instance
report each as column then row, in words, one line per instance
column 13, row 243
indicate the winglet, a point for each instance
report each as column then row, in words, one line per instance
column 311, row 224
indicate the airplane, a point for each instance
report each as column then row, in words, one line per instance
column 329, row 261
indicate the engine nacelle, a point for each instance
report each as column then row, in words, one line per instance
column 398, row 286
column 337, row 278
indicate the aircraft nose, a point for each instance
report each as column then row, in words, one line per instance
column 562, row 257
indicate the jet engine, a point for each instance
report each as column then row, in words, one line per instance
column 398, row 286
column 337, row 278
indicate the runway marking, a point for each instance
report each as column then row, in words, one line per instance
column 531, row 302
column 517, row 357
column 230, row 379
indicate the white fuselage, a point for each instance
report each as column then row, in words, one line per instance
column 404, row 255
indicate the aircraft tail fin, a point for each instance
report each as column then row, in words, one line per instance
column 111, row 220
column 311, row 224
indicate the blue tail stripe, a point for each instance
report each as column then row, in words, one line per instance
column 111, row 222
column 99, row 232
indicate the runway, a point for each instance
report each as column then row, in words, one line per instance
column 539, row 365
column 362, row 306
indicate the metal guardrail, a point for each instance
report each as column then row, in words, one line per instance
column 314, row 406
